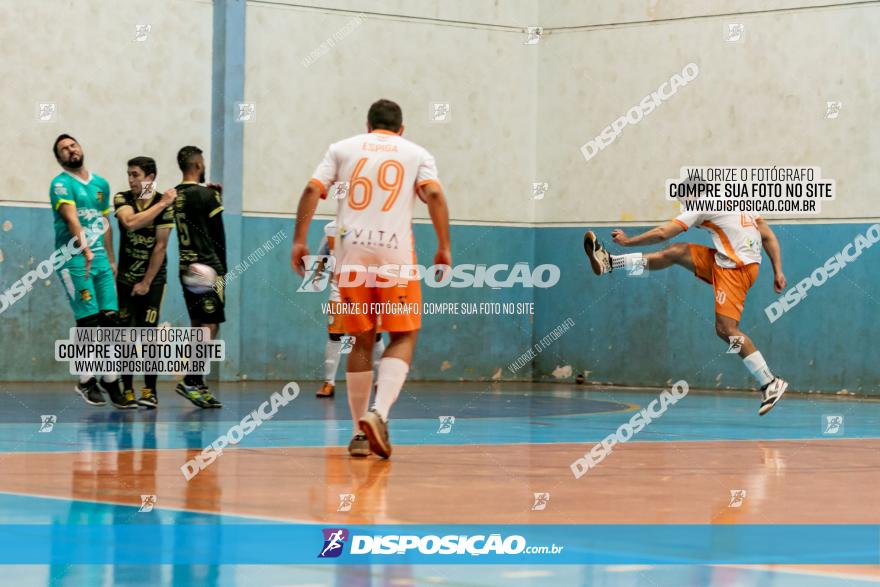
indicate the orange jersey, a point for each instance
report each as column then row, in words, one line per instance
column 377, row 174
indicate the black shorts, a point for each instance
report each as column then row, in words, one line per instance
column 207, row 308
column 139, row 310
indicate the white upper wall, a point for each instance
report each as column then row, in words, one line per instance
column 517, row 13
column 485, row 153
column 568, row 13
column 119, row 97
column 519, row 113
column 758, row 102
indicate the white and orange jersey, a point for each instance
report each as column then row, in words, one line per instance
column 734, row 234
column 382, row 171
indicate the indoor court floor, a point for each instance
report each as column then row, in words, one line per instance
column 507, row 442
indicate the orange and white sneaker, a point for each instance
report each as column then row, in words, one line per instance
column 327, row 390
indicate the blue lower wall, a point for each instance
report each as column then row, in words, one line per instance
column 627, row 330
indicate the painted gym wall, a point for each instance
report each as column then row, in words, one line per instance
column 485, row 152
column 118, row 96
column 761, row 101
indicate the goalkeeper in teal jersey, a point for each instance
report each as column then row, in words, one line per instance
column 80, row 205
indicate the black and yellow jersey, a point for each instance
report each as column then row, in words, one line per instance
column 200, row 234
column 136, row 246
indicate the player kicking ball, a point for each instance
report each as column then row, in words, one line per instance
column 731, row 268
column 385, row 173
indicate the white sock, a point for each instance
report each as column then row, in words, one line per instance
column 627, row 261
column 84, row 378
column 757, row 366
column 110, row 377
column 359, row 386
column 378, row 350
column 331, row 360
column 392, row 375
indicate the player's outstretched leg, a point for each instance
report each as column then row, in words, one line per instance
column 601, row 261
column 359, row 383
column 772, row 387
column 331, row 365
column 393, row 369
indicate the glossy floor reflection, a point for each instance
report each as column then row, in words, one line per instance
column 94, row 465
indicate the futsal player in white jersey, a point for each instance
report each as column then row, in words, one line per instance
column 385, row 174
column 731, row 268
column 335, row 325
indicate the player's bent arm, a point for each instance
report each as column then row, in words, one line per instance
column 135, row 221
column 157, row 257
column 131, row 220
column 658, row 234
column 770, row 244
column 433, row 196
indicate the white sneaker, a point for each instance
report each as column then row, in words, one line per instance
column 600, row 260
column 772, row 393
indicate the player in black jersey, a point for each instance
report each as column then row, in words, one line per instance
column 145, row 222
column 201, row 238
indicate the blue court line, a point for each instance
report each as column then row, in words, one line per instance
column 694, row 418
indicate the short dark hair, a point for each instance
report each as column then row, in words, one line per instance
column 147, row 164
column 186, row 157
column 385, row 115
column 60, row 138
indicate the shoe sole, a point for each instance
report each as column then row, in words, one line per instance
column 147, row 405
column 216, row 406
column 762, row 411
column 371, row 426
column 359, row 453
column 590, row 249
column 133, row 406
column 182, row 394
column 319, row 394
column 86, row 399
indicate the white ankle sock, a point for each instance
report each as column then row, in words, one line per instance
column 378, row 350
column 84, row 378
column 392, row 375
column 331, row 360
column 627, row 261
column 110, row 377
column 757, row 366
column 359, row 385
